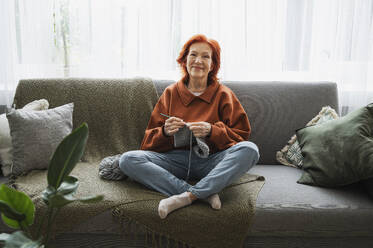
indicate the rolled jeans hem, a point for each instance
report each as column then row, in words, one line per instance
column 194, row 193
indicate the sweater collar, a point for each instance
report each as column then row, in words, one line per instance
column 187, row 97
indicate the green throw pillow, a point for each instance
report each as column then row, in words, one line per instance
column 338, row 152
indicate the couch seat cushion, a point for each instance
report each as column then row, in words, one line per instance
column 286, row 208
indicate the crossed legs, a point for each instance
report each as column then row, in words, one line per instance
column 163, row 172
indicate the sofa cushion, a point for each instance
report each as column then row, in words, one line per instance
column 36, row 135
column 291, row 154
column 5, row 139
column 286, row 208
column 338, row 152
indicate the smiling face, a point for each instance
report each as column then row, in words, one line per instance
column 199, row 61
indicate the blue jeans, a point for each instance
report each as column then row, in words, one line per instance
column 166, row 172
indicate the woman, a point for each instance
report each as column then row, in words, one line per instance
column 213, row 113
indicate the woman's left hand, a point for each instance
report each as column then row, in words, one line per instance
column 200, row 129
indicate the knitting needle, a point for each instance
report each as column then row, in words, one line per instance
column 170, row 117
column 165, row 115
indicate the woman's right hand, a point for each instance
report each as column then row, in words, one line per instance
column 172, row 125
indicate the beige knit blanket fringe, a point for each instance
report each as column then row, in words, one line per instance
column 117, row 112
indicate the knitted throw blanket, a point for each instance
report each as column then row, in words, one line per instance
column 117, row 112
column 197, row 225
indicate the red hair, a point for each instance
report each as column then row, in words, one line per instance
column 212, row 77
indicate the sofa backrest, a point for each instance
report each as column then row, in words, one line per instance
column 277, row 109
column 117, row 111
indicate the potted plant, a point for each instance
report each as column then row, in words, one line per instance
column 18, row 210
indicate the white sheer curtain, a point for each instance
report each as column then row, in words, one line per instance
column 260, row 39
column 341, row 49
column 8, row 53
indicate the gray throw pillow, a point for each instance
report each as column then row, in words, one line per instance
column 6, row 159
column 338, row 152
column 36, row 135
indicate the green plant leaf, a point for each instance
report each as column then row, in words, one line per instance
column 19, row 202
column 59, row 200
column 65, row 194
column 68, row 186
column 20, row 240
column 47, row 193
column 67, row 154
column 92, row 199
column 11, row 213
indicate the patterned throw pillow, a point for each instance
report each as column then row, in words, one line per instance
column 291, row 154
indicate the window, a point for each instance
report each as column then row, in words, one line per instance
column 261, row 40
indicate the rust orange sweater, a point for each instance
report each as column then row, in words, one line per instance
column 218, row 105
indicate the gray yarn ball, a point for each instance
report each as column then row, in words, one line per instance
column 109, row 168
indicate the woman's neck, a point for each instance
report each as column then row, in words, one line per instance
column 197, row 85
